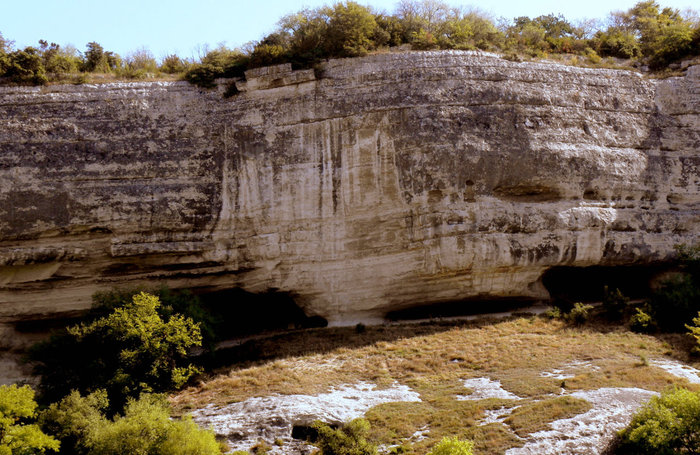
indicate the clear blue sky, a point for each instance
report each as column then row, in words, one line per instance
column 179, row 26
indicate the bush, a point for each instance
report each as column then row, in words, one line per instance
column 614, row 303
column 25, row 67
column 131, row 350
column 172, row 64
column 452, row 446
column 695, row 332
column 73, row 419
column 145, row 428
column 350, row 439
column 642, row 322
column 553, row 313
column 17, row 435
column 669, row 424
column 579, row 313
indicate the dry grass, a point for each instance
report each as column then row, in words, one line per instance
column 433, row 359
column 535, row 416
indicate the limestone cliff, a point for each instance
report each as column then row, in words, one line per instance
column 370, row 185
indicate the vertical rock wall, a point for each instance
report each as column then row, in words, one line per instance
column 377, row 184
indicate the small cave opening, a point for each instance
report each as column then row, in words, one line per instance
column 587, row 284
column 304, row 433
column 460, row 308
column 240, row 313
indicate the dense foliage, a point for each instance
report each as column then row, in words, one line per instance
column 18, row 435
column 647, row 33
column 349, row 439
column 452, row 446
column 669, row 424
column 144, row 428
column 131, row 349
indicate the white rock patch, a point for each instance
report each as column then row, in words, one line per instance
column 497, row 415
column 569, row 370
column 590, row 432
column 273, row 417
column 678, row 369
column 485, row 388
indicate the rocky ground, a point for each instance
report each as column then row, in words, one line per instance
column 522, row 386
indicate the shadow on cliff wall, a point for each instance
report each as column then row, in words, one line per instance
column 242, row 313
column 469, row 307
column 567, row 285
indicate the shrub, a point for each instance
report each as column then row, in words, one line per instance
column 145, row 428
column 17, row 435
column 173, row 64
column 695, row 332
column 25, row 67
column 579, row 313
column 669, row 424
column 350, row 439
column 351, row 27
column 452, row 446
column 614, row 303
column 131, row 350
column 615, row 42
column 73, row 419
column 642, row 322
column 553, row 313
column 221, row 62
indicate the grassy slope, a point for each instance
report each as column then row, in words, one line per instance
column 433, row 359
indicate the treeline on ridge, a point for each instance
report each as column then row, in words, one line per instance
column 647, row 34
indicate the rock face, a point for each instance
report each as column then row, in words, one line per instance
column 372, row 185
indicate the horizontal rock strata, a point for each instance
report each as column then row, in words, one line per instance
column 369, row 185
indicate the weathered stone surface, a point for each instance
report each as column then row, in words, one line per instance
column 387, row 181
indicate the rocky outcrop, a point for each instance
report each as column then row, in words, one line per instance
column 369, row 185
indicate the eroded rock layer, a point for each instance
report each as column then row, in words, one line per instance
column 369, row 186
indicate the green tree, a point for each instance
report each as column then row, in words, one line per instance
column 17, row 435
column 96, row 59
column 173, row 64
column 146, row 428
column 617, row 42
column 663, row 34
column 25, row 67
column 56, row 60
column 131, row 350
column 666, row 425
column 307, row 31
column 351, row 28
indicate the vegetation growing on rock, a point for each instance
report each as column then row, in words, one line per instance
column 648, row 33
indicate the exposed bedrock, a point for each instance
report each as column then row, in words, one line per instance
column 376, row 184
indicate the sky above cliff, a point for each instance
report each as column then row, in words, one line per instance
column 187, row 27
